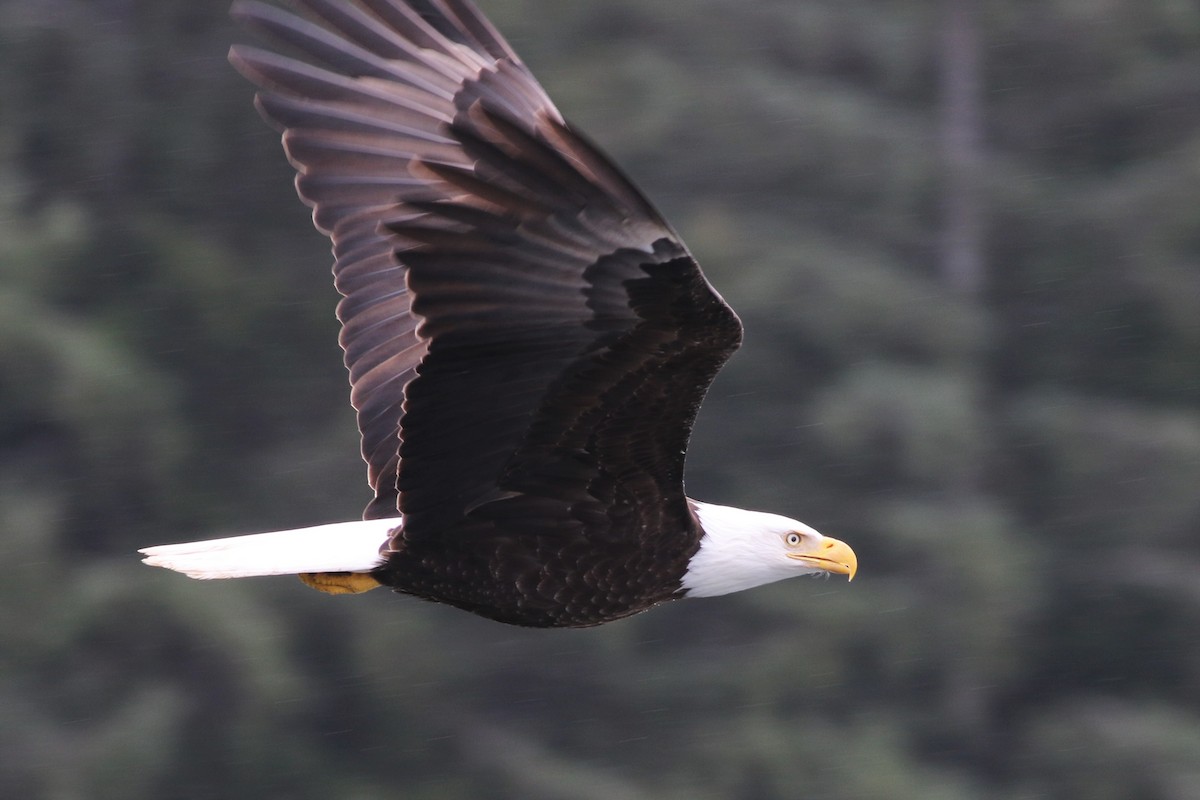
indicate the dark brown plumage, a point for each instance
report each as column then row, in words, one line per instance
column 528, row 341
column 549, row 367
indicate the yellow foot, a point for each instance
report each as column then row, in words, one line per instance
column 340, row 582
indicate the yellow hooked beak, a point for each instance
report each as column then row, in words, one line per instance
column 831, row 555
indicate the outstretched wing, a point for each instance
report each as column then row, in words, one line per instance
column 528, row 342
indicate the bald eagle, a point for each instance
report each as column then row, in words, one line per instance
column 528, row 340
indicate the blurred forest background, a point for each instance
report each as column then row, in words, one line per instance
column 965, row 240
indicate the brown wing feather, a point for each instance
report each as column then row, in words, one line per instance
column 513, row 306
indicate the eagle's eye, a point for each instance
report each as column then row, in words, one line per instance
column 793, row 539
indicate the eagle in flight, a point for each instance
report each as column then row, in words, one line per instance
column 528, row 340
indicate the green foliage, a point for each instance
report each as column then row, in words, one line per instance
column 1017, row 470
column 1101, row 750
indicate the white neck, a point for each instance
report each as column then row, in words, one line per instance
column 740, row 550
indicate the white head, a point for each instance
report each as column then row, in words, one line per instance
column 743, row 549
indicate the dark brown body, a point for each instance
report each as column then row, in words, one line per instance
column 539, row 581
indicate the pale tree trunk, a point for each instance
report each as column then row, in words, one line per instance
column 962, row 270
column 961, row 138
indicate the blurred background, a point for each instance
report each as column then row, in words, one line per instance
column 964, row 237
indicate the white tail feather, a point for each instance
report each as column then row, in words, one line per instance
column 339, row 547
